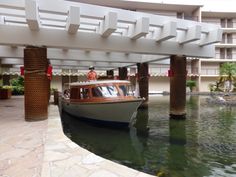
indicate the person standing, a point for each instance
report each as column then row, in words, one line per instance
column 91, row 75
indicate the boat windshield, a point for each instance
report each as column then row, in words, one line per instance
column 105, row 91
column 126, row 90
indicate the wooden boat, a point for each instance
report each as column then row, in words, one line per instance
column 107, row 102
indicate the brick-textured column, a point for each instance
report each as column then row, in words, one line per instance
column 123, row 73
column 143, row 81
column 37, row 84
column 178, row 86
column 110, row 74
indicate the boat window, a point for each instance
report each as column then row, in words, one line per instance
column 126, row 90
column 105, row 91
column 84, row 93
column 96, row 92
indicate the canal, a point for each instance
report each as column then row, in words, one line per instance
column 202, row 145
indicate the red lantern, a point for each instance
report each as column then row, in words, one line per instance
column 170, row 73
column 49, row 72
column 22, row 70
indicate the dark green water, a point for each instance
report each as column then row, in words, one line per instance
column 202, row 145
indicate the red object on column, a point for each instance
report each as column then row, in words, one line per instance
column 49, row 72
column 170, row 73
column 22, row 70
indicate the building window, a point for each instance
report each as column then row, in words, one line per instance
column 229, row 23
column 180, row 15
column 222, row 53
column 224, row 38
column 223, row 23
column 229, row 39
column 229, row 53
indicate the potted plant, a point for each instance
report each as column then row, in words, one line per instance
column 5, row 92
column 191, row 84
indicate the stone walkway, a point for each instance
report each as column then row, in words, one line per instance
column 21, row 142
column 34, row 149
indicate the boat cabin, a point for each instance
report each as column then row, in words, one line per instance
column 109, row 90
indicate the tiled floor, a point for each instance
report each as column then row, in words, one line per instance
column 21, row 142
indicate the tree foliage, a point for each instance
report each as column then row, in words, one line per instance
column 228, row 73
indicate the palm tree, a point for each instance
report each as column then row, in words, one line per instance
column 228, row 72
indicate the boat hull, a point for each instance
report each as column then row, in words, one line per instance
column 112, row 113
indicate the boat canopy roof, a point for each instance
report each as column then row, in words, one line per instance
column 97, row 82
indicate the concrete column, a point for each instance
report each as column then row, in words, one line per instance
column 123, row 73
column 178, row 86
column 37, row 84
column 143, row 81
column 110, row 74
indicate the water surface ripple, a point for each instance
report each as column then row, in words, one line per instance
column 203, row 145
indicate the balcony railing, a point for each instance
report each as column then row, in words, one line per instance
column 210, row 72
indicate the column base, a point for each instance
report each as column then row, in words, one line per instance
column 178, row 116
column 36, row 119
column 144, row 105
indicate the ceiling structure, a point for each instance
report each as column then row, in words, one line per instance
column 78, row 35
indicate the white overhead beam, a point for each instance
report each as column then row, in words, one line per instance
column 31, row 14
column 192, row 34
column 75, row 55
column 78, row 55
column 53, row 38
column 85, row 68
column 16, row 61
column 1, row 20
column 211, row 37
column 73, row 20
column 87, row 64
column 167, row 31
column 109, row 24
column 153, row 58
column 140, row 29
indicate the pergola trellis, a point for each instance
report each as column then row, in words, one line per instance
column 78, row 35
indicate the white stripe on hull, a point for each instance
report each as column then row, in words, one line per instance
column 115, row 111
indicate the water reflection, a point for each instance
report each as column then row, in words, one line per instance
column 141, row 122
column 202, row 145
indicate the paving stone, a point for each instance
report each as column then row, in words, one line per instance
column 92, row 159
column 103, row 173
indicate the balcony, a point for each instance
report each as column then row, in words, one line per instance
column 225, row 45
column 209, row 72
column 229, row 30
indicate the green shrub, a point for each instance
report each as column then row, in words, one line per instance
column 191, row 84
column 17, row 86
column 18, row 90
